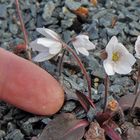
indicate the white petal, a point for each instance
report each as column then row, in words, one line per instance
column 111, row 46
column 137, row 47
column 81, row 36
column 122, row 68
column 83, row 41
column 37, row 47
column 55, row 50
column 83, row 51
column 43, row 56
column 108, row 65
column 129, row 59
column 49, row 43
column 121, row 48
column 48, row 33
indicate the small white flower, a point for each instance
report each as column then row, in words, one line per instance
column 137, row 47
column 82, row 44
column 48, row 46
column 118, row 60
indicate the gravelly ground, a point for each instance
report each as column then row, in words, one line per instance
column 56, row 14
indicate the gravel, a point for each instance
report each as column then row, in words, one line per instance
column 108, row 18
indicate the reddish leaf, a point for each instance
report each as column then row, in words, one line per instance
column 102, row 117
column 126, row 101
column 85, row 101
column 64, row 127
column 95, row 132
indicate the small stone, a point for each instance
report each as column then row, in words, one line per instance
column 48, row 10
column 116, row 88
column 3, row 11
column 73, row 5
column 2, row 134
column 67, row 36
column 69, row 106
column 13, row 28
column 27, row 129
column 10, row 127
column 15, row 135
column 46, row 120
column 91, row 114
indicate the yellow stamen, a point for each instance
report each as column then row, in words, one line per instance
column 115, row 56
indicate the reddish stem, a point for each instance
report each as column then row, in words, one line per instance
column 106, row 92
column 81, row 66
column 23, row 29
column 136, row 90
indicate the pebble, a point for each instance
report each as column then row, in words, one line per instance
column 15, row 135
column 69, row 106
column 73, row 5
column 2, row 134
column 13, row 28
column 3, row 11
column 48, row 10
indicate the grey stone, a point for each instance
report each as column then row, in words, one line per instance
column 73, row 5
column 15, row 135
column 13, row 28
column 48, row 10
column 2, row 134
column 3, row 11
column 112, row 31
column 116, row 88
column 27, row 129
column 3, row 24
column 133, row 32
column 93, row 30
column 91, row 114
column 67, row 36
column 101, row 89
column 69, row 106
column 46, row 120
column 10, row 127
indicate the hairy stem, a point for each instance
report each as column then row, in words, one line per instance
column 23, row 29
column 106, row 82
column 136, row 92
column 81, row 66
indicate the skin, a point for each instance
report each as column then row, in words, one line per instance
column 27, row 86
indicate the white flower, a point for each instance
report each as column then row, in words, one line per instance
column 82, row 44
column 118, row 60
column 47, row 46
column 137, row 47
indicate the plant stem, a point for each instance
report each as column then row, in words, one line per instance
column 106, row 92
column 23, row 29
column 81, row 66
column 60, row 63
column 136, row 93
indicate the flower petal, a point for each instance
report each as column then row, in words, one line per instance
column 43, row 56
column 48, row 33
column 55, row 50
column 84, row 42
column 83, row 51
column 137, row 47
column 37, row 47
column 108, row 65
column 122, row 68
column 49, row 43
column 111, row 46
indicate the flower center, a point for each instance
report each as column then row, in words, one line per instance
column 115, row 56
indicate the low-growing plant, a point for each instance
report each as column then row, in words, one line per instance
column 116, row 59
